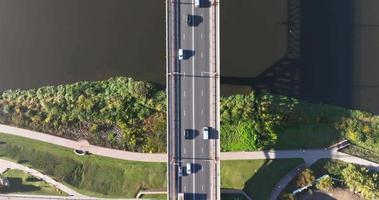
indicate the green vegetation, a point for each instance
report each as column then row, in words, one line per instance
column 256, row 177
column 91, row 175
column 119, row 112
column 362, row 152
column 155, row 196
column 361, row 180
column 130, row 115
column 232, row 197
column 22, row 183
column 354, row 177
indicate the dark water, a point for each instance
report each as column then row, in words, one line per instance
column 320, row 50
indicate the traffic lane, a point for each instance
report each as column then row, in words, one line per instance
column 204, row 177
column 202, row 116
column 200, row 169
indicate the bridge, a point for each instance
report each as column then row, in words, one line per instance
column 193, row 89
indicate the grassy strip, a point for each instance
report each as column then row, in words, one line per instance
column 232, row 197
column 256, row 177
column 91, row 175
column 311, row 136
column 155, row 196
column 22, row 183
column 362, row 152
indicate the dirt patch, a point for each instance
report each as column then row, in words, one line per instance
column 336, row 194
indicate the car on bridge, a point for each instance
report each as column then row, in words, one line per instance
column 181, row 54
column 206, row 133
column 187, row 134
column 188, row 168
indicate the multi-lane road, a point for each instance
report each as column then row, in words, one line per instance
column 193, row 99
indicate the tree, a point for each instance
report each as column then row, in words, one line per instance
column 325, row 183
column 305, row 178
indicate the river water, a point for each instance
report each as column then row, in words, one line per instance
column 319, row 50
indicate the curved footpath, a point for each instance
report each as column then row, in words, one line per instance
column 97, row 150
column 5, row 164
column 310, row 155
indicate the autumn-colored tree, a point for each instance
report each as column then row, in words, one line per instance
column 306, row 177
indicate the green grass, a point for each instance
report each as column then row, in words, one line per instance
column 91, row 175
column 22, row 183
column 307, row 137
column 362, row 153
column 232, row 197
column 155, row 196
column 256, row 177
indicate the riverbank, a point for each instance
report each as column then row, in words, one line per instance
column 130, row 115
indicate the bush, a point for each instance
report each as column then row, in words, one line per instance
column 326, row 183
column 305, row 178
column 361, row 180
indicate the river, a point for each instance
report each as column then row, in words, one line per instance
column 322, row 51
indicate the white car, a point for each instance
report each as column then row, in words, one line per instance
column 198, row 3
column 181, row 54
column 188, row 168
column 205, row 133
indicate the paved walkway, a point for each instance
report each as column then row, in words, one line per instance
column 102, row 151
column 310, row 155
column 5, row 164
column 285, row 180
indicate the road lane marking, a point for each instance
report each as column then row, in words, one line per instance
column 202, row 112
column 201, row 35
column 202, row 149
column 184, row 112
column 201, row 54
column 185, row 188
column 184, row 36
column 184, row 150
column 193, row 99
column 202, row 187
column 202, row 92
column 184, row 93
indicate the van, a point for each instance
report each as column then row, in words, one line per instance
column 205, row 133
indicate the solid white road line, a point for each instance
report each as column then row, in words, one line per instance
column 184, row 93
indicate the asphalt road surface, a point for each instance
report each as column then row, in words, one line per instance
column 192, row 88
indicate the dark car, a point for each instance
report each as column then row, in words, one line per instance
column 187, row 134
column 190, row 20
